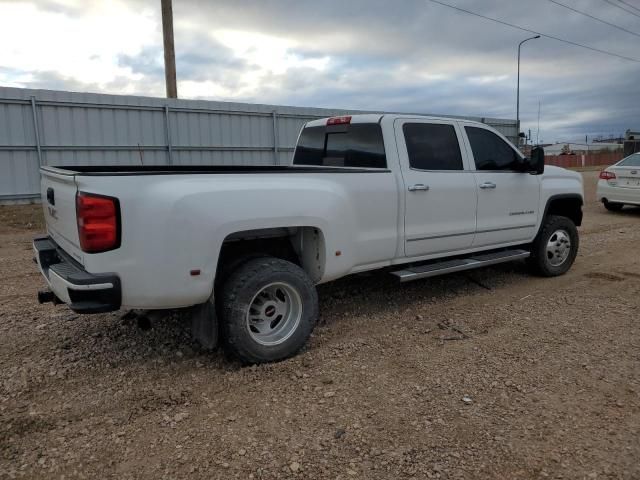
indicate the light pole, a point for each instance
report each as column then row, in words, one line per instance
column 518, row 88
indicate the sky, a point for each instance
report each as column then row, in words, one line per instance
column 403, row 55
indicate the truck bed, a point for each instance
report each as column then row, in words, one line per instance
column 114, row 170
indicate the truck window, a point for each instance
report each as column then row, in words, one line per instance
column 490, row 152
column 432, row 146
column 355, row 145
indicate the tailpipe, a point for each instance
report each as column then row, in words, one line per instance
column 47, row 296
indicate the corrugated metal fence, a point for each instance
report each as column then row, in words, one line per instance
column 44, row 127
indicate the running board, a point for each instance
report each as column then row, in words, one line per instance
column 459, row 264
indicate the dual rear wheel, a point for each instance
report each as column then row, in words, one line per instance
column 269, row 308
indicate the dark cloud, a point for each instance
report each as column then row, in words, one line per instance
column 149, row 62
column 52, row 80
column 202, row 58
column 410, row 55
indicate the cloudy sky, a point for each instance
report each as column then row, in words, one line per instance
column 402, row 55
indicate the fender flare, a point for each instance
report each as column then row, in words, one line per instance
column 562, row 196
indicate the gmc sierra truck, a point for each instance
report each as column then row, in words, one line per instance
column 242, row 248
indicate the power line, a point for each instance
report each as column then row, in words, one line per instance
column 621, row 8
column 502, row 22
column 628, row 4
column 595, row 18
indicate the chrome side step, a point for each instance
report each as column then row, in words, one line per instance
column 459, row 264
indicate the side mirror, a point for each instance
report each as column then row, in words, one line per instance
column 537, row 160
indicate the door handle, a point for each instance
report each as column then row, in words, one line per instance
column 486, row 185
column 419, row 187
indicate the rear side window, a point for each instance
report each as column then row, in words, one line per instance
column 490, row 152
column 353, row 145
column 432, row 146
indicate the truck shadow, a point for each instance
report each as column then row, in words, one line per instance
column 627, row 211
column 118, row 340
column 381, row 293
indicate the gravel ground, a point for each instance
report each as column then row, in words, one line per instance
column 488, row 374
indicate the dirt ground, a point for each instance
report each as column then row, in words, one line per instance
column 544, row 383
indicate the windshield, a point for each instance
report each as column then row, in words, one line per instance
column 631, row 161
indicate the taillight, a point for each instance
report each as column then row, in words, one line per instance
column 98, row 222
column 339, row 120
column 604, row 175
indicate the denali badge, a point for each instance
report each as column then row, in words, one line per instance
column 528, row 212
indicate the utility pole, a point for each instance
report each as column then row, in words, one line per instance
column 538, row 130
column 169, row 50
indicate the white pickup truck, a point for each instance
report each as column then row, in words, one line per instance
column 244, row 247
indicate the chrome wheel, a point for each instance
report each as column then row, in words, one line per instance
column 274, row 314
column 558, row 247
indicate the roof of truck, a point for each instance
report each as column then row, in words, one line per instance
column 377, row 117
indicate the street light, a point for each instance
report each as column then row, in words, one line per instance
column 518, row 89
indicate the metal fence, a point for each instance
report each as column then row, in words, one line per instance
column 44, row 127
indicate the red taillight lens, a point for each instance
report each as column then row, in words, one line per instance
column 604, row 175
column 98, row 222
column 339, row 120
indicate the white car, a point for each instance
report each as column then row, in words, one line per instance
column 243, row 247
column 619, row 184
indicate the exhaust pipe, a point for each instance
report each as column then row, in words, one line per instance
column 47, row 296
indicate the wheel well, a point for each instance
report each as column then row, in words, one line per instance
column 303, row 246
column 570, row 207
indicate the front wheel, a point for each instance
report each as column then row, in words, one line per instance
column 269, row 309
column 555, row 247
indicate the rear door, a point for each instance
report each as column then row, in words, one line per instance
column 440, row 190
column 508, row 199
column 58, row 190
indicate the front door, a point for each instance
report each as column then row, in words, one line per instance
column 508, row 199
column 439, row 188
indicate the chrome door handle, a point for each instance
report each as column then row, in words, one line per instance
column 487, row 185
column 419, row 187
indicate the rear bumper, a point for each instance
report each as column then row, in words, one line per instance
column 84, row 292
column 613, row 193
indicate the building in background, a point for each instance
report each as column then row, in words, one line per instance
column 631, row 142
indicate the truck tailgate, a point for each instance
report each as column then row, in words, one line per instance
column 58, row 190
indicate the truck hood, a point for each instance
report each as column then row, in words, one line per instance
column 551, row 171
column 560, row 181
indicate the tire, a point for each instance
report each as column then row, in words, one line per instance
column 269, row 309
column 555, row 247
column 231, row 266
column 612, row 207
